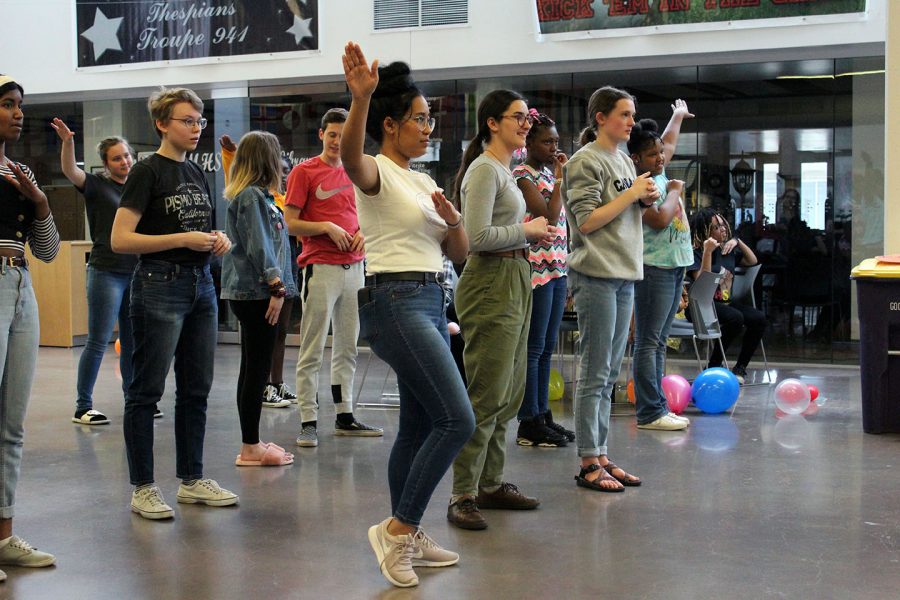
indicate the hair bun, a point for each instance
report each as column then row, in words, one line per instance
column 647, row 125
column 393, row 79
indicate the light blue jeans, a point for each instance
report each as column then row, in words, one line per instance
column 656, row 301
column 19, row 336
column 604, row 313
column 108, row 301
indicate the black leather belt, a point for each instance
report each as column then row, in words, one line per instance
column 14, row 261
column 519, row 253
column 419, row 276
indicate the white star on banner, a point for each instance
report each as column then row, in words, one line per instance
column 103, row 34
column 300, row 29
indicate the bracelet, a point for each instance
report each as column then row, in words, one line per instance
column 277, row 290
column 455, row 225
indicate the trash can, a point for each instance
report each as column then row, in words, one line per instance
column 878, row 293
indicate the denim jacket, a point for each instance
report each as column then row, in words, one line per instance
column 260, row 249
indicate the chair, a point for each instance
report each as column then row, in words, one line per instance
column 742, row 290
column 704, row 319
column 388, row 400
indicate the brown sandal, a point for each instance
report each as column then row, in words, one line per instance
column 582, row 481
column 629, row 480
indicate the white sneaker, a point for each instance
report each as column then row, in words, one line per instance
column 271, row 399
column 429, row 554
column 664, row 423
column 205, row 491
column 681, row 418
column 148, row 502
column 19, row 553
column 394, row 554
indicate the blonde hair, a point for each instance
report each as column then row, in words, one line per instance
column 257, row 161
column 162, row 102
column 106, row 143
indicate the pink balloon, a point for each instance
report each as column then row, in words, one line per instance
column 677, row 391
column 813, row 392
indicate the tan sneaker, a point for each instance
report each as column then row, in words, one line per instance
column 148, row 502
column 205, row 491
column 19, row 553
column 664, row 423
column 429, row 554
column 394, row 554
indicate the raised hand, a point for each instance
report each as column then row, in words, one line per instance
column 680, row 108
column 445, row 208
column 23, row 183
column 361, row 78
column 62, row 130
column 227, row 143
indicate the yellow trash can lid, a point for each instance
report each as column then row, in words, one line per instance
column 880, row 267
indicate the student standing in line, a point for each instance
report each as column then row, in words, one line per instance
column 277, row 394
column 24, row 217
column 165, row 216
column 537, row 178
column 256, row 279
column 667, row 251
column 493, row 301
column 409, row 224
column 604, row 199
column 108, row 273
column 321, row 209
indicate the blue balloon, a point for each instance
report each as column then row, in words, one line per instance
column 715, row 390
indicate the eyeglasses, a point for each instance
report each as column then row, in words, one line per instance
column 191, row 123
column 520, row 119
column 423, row 122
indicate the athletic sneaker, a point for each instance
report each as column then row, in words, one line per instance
column 357, row 429
column 90, row 417
column 205, row 491
column 394, row 554
column 19, row 553
column 533, row 432
column 148, row 502
column 664, row 423
column 308, row 437
column 271, row 399
column 566, row 433
column 681, row 418
column 282, row 390
column 429, row 554
column 158, row 414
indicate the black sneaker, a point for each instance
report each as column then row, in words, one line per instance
column 157, row 414
column 533, row 432
column 741, row 373
column 357, row 429
column 559, row 429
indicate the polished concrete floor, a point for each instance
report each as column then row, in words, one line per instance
column 749, row 506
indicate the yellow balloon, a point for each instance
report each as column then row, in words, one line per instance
column 557, row 385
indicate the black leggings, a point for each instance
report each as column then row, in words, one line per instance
column 733, row 318
column 257, row 343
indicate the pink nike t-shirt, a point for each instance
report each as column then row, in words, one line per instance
column 323, row 193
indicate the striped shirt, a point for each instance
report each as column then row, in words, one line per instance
column 42, row 237
column 548, row 259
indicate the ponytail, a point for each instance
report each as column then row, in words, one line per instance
column 475, row 149
column 603, row 101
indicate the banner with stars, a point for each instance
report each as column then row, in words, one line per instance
column 146, row 33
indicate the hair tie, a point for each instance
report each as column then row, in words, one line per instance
column 534, row 113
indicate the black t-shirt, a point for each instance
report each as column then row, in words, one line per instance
column 101, row 199
column 172, row 197
column 718, row 260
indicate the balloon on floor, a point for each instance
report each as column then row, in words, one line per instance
column 557, row 385
column 792, row 396
column 118, row 346
column 715, row 390
column 678, row 392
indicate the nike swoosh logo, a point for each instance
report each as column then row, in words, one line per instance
column 326, row 194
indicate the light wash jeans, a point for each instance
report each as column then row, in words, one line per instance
column 656, row 301
column 18, row 355
column 108, row 296
column 604, row 313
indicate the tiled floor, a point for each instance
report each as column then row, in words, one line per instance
column 748, row 506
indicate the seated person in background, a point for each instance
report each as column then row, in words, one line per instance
column 715, row 250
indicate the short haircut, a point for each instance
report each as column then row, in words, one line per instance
column 334, row 115
column 162, row 102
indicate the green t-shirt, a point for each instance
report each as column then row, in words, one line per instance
column 669, row 247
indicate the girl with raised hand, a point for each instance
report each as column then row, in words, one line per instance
column 537, row 179
column 667, row 251
column 604, row 198
column 256, row 279
column 408, row 224
column 108, row 273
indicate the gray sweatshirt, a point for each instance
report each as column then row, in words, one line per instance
column 594, row 177
column 492, row 207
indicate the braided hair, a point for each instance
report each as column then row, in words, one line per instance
column 702, row 223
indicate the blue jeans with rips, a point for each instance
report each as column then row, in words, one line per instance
column 174, row 314
column 406, row 326
column 108, row 297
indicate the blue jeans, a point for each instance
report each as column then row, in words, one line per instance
column 548, row 304
column 18, row 354
column 604, row 313
column 174, row 314
column 108, row 300
column 405, row 325
column 656, row 301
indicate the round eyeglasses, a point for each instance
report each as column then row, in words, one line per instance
column 191, row 123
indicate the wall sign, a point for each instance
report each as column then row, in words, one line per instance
column 145, row 33
column 615, row 17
